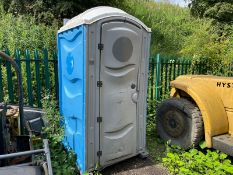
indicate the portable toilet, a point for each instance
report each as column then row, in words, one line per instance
column 103, row 57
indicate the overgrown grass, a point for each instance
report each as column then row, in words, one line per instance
column 170, row 24
column 176, row 32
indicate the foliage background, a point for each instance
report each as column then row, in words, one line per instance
column 204, row 31
column 23, row 32
column 33, row 24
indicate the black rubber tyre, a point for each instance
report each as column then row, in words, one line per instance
column 180, row 121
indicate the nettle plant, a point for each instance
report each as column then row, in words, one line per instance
column 195, row 162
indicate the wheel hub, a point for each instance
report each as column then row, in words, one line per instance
column 174, row 123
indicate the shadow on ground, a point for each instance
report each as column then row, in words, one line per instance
column 135, row 166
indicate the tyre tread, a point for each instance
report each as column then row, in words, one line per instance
column 197, row 131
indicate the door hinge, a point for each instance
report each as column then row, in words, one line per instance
column 99, row 83
column 100, row 46
column 99, row 153
column 99, row 119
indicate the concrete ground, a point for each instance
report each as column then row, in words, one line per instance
column 136, row 166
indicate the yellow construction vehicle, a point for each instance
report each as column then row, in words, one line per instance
column 200, row 107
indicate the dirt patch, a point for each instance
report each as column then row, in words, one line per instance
column 136, row 166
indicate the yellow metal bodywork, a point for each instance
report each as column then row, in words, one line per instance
column 214, row 97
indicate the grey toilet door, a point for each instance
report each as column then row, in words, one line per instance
column 119, row 69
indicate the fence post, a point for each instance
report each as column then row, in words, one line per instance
column 170, row 63
column 29, row 78
column 166, row 61
column 178, row 67
column 182, row 66
column 189, row 65
column 152, row 71
column 46, row 67
column 174, row 69
column 186, row 65
column 162, row 76
column 158, row 75
column 17, row 58
column 1, row 84
column 55, row 64
column 9, row 79
column 38, row 85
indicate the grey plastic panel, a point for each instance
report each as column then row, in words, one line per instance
column 117, row 76
column 142, row 102
column 92, row 127
column 119, row 71
column 99, row 13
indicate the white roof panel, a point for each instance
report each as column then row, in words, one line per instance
column 97, row 13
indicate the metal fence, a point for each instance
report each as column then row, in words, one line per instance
column 162, row 70
column 39, row 72
column 40, row 75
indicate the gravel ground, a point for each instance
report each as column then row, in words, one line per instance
column 135, row 166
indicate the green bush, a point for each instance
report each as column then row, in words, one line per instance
column 206, row 45
column 195, row 162
column 23, row 32
column 63, row 161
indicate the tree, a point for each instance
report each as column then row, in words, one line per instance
column 219, row 10
column 46, row 11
